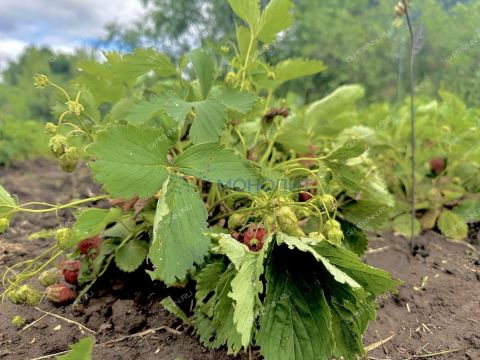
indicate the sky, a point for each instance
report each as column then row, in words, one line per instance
column 63, row 25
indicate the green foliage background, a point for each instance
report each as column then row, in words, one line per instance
column 356, row 39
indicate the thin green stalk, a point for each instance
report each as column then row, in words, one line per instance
column 412, row 126
column 55, row 207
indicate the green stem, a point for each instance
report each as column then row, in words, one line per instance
column 55, row 207
column 62, row 90
column 247, row 60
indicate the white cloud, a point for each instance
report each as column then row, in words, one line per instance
column 60, row 24
column 9, row 50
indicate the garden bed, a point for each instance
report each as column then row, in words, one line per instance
column 438, row 317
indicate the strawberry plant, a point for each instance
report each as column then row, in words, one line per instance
column 447, row 169
column 211, row 178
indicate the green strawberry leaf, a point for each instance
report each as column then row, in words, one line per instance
column 207, row 279
column 215, row 163
column 130, row 256
column 246, row 285
column 143, row 111
column 7, row 202
column 402, row 225
column 308, row 245
column 248, row 11
column 204, row 66
column 178, row 232
column 239, row 101
column 142, row 61
column 236, row 251
column 350, row 148
column 82, row 350
column 210, row 121
column 91, row 222
column 130, row 160
column 214, row 313
column 173, row 308
column 452, row 225
column 469, row 210
column 296, row 68
column 275, row 18
column 351, row 309
column 296, row 323
column 373, row 280
column 319, row 113
column 354, row 238
column 169, row 103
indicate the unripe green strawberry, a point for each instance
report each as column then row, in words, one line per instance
column 14, row 297
column 51, row 128
column 18, row 321
column 316, row 236
column 63, row 236
column 331, row 225
column 48, row 277
column 4, row 224
column 335, row 236
column 25, row 294
column 288, row 222
column 230, row 78
column 60, row 294
column 328, row 202
column 57, row 145
column 333, row 231
column 69, row 160
column 236, row 220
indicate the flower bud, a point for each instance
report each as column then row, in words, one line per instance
column 74, row 107
column 51, row 128
column 40, row 80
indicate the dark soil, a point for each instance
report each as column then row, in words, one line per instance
column 441, row 316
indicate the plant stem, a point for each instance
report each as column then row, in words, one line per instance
column 55, row 207
column 247, row 60
column 412, row 126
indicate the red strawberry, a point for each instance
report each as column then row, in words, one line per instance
column 60, row 294
column 438, row 165
column 70, row 269
column 305, row 196
column 254, row 238
column 90, row 246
